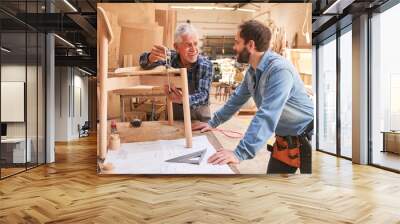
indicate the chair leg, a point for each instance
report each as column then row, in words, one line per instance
column 170, row 112
column 103, row 67
column 186, row 108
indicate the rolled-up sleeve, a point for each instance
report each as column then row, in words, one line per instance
column 145, row 64
column 263, row 124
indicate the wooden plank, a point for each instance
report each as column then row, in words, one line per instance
column 161, row 81
column 153, row 72
column 140, row 90
column 218, row 146
column 167, row 19
column 161, row 18
column 135, row 40
column 113, row 48
column 170, row 29
column 149, row 131
column 120, row 15
column 122, row 82
column 128, row 60
column 129, row 81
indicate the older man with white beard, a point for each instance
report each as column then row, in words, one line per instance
column 199, row 70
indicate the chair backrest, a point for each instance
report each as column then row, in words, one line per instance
column 102, row 15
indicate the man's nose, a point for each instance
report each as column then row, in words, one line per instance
column 192, row 47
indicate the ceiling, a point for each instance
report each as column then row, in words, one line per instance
column 328, row 16
column 72, row 20
column 75, row 21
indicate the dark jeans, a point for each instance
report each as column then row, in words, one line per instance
column 201, row 113
column 275, row 166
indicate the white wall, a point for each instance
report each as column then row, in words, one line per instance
column 61, row 103
column 81, row 83
column 12, row 73
column 290, row 16
column 34, row 124
column 68, row 81
column 213, row 22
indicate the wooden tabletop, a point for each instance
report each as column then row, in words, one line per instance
column 157, row 130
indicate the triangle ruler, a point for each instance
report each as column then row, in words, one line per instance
column 192, row 158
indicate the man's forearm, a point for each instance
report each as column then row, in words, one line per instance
column 198, row 99
column 266, row 119
column 145, row 63
column 239, row 97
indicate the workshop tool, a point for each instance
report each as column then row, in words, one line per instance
column 228, row 133
column 168, row 58
column 114, row 127
column 192, row 158
column 136, row 123
column 168, row 65
column 286, row 149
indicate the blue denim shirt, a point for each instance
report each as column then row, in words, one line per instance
column 283, row 104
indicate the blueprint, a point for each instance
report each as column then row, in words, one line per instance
column 150, row 157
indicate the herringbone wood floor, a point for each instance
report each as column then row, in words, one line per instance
column 70, row 191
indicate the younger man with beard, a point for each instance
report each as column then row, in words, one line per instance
column 282, row 102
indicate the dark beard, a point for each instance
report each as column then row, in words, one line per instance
column 243, row 56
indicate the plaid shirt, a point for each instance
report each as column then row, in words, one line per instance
column 201, row 73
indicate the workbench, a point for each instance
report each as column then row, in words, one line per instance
column 156, row 130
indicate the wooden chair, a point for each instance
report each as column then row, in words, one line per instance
column 126, row 78
column 105, row 36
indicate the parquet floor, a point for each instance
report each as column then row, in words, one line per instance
column 70, row 191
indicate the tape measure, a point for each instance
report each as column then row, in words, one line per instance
column 136, row 123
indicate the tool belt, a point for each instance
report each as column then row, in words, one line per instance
column 287, row 148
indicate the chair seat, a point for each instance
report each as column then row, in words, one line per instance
column 140, row 90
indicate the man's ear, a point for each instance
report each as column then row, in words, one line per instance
column 252, row 45
column 176, row 46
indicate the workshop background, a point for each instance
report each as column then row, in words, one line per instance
column 216, row 24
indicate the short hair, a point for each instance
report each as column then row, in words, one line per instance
column 184, row 29
column 256, row 31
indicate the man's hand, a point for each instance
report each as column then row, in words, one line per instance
column 168, row 89
column 222, row 157
column 173, row 93
column 175, row 98
column 202, row 126
column 157, row 53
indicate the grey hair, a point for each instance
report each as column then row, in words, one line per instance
column 184, row 29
